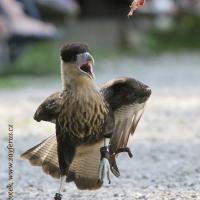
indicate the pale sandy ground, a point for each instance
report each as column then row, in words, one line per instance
column 166, row 146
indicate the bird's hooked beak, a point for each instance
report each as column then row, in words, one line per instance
column 85, row 63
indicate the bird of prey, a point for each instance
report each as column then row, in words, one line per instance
column 92, row 123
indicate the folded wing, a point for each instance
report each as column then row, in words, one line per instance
column 49, row 108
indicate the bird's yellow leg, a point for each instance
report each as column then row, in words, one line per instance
column 104, row 167
column 58, row 196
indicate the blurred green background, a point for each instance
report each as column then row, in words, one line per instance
column 173, row 27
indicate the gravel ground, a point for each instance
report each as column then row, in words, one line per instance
column 166, row 145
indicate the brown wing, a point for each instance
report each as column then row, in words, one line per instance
column 49, row 108
column 126, row 98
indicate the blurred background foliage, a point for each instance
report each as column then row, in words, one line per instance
column 182, row 36
column 101, row 24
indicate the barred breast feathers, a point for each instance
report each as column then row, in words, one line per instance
column 83, row 112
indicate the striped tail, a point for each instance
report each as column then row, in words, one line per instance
column 45, row 155
column 83, row 169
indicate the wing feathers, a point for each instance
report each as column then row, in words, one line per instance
column 45, row 155
column 83, row 169
column 126, row 97
column 49, row 108
column 126, row 121
column 136, row 119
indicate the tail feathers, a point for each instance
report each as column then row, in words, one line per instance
column 83, row 169
column 45, row 155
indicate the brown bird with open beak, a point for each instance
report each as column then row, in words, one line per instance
column 92, row 124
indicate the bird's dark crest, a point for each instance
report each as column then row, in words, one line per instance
column 69, row 52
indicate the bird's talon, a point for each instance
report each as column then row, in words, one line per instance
column 104, row 168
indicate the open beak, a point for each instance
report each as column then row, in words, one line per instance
column 85, row 63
